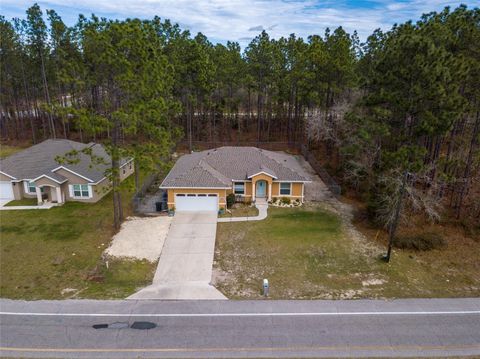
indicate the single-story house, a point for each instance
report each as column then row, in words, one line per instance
column 34, row 172
column 203, row 180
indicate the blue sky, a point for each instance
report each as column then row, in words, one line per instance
column 241, row 20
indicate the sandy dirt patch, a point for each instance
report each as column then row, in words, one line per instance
column 140, row 238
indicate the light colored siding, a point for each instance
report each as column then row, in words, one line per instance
column 129, row 168
column 72, row 178
column 99, row 190
column 46, row 182
column 18, row 192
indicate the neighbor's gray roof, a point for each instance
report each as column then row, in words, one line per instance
column 218, row 167
column 39, row 160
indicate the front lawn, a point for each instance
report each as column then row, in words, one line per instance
column 56, row 253
column 305, row 253
column 241, row 211
column 22, row 202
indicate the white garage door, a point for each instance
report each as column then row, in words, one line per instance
column 6, row 190
column 196, row 202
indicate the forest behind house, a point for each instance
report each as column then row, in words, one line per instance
column 396, row 117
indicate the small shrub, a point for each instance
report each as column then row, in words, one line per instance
column 421, row 242
column 285, row 200
column 274, row 199
column 230, row 200
column 248, row 202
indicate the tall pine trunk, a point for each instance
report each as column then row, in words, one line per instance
column 117, row 200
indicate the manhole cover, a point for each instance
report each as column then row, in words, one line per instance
column 143, row 325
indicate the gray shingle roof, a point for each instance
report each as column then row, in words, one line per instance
column 218, row 167
column 40, row 160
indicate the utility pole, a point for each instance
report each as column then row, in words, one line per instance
column 394, row 224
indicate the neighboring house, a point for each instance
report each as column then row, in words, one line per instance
column 202, row 180
column 34, row 172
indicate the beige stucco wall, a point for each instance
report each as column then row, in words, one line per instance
column 18, row 190
column 221, row 193
column 248, row 189
column 296, row 190
column 275, row 189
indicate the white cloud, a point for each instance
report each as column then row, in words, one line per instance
column 237, row 20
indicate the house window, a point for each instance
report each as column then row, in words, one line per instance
column 239, row 188
column 31, row 187
column 124, row 171
column 80, row 190
column 285, row 189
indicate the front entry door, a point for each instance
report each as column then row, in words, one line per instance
column 261, row 189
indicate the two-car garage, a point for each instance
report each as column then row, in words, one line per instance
column 6, row 190
column 196, row 202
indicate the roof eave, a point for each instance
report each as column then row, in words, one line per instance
column 6, row 174
column 262, row 172
column 71, row 171
column 53, row 179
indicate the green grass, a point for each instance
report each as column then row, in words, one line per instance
column 45, row 252
column 241, row 211
column 22, row 202
column 305, row 254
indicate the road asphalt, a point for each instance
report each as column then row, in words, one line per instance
column 360, row 328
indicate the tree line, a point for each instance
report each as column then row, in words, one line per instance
column 398, row 113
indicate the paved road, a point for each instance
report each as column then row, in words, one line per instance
column 412, row 328
column 185, row 266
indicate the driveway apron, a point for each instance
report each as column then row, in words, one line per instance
column 185, row 266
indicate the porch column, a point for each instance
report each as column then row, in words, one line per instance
column 38, row 191
column 254, row 184
column 269, row 190
column 59, row 195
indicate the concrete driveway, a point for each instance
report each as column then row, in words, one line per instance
column 185, row 266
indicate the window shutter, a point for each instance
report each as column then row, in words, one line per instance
column 70, row 190
column 25, row 186
column 90, row 191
